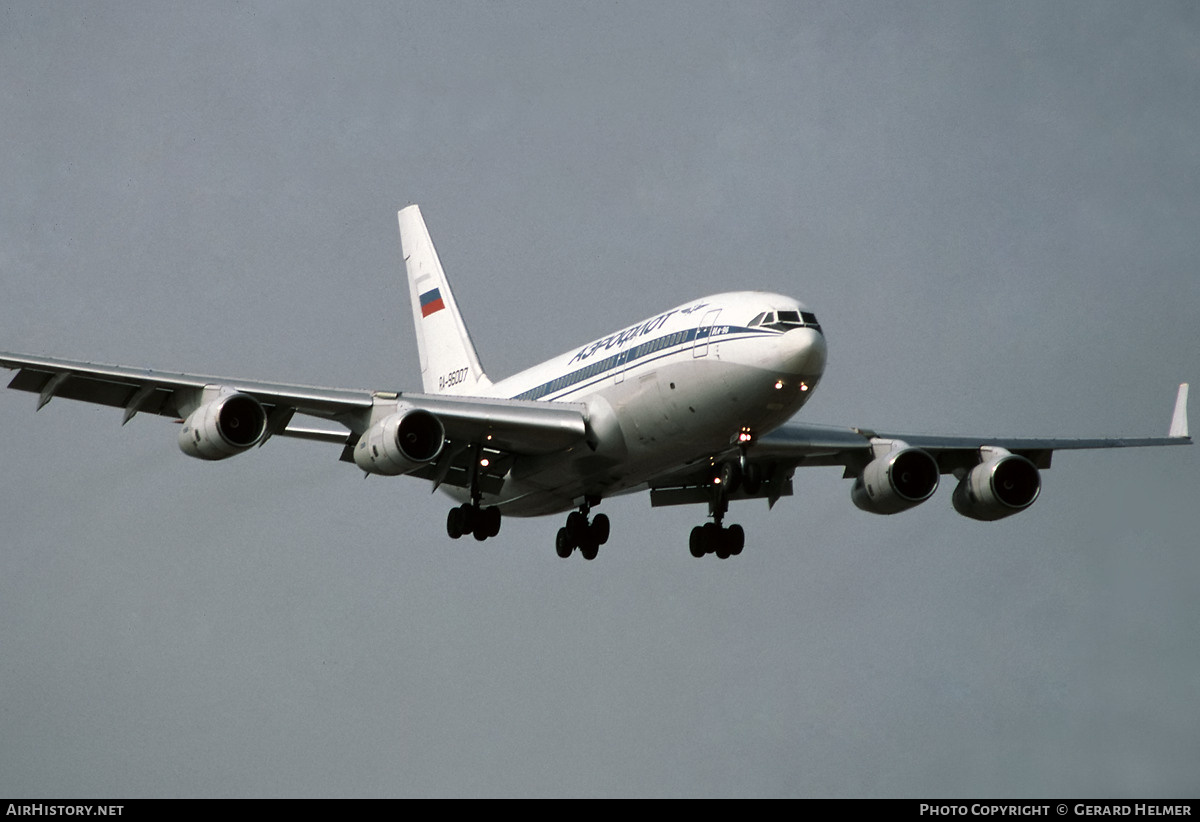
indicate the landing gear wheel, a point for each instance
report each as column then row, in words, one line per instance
column 454, row 523
column 730, row 476
column 490, row 521
column 737, row 539
column 468, row 513
column 589, row 549
column 563, row 543
column 721, row 549
column 696, row 542
column 577, row 525
column 600, row 529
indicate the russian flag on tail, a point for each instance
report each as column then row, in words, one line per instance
column 431, row 301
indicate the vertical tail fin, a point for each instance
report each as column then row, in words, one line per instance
column 449, row 364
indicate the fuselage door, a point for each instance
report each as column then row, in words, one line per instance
column 703, row 331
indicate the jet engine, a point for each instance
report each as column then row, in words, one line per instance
column 896, row 481
column 226, row 426
column 400, row 443
column 1003, row 485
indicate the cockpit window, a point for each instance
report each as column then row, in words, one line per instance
column 787, row 320
column 757, row 319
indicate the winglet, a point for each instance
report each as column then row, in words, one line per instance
column 1179, row 424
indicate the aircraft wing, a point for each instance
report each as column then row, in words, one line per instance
column 498, row 427
column 854, row 447
column 774, row 457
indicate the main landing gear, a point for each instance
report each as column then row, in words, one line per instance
column 581, row 534
column 713, row 537
column 469, row 518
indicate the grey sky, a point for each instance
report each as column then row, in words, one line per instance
column 993, row 209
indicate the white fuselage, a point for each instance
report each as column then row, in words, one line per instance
column 668, row 392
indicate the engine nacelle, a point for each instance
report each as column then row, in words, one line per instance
column 226, row 426
column 400, row 443
column 999, row 487
column 896, row 481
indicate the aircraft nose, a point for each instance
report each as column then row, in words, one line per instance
column 803, row 352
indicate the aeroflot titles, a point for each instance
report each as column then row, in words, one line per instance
column 622, row 337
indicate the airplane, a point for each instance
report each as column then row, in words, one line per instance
column 693, row 405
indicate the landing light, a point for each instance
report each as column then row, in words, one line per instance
column 778, row 384
column 484, row 463
column 803, row 386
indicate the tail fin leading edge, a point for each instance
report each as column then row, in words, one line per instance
column 449, row 363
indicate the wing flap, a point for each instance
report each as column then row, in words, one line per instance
column 101, row 391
